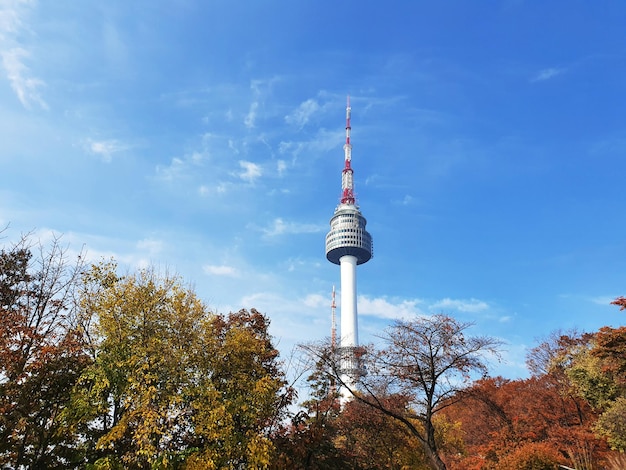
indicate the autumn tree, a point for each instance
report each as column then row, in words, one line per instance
column 510, row 420
column 171, row 382
column 325, row 435
column 41, row 355
column 373, row 440
column 598, row 373
column 511, row 423
column 422, row 366
column 307, row 441
column 243, row 397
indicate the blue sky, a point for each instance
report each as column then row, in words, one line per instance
column 206, row 138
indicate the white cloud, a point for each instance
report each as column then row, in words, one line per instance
column 251, row 171
column 407, row 200
column 382, row 308
column 471, row 305
column 547, row 74
column 280, row 227
column 281, row 167
column 220, row 270
column 316, row 301
column 172, row 171
column 14, row 55
column 179, row 166
column 323, row 141
column 250, row 118
column 603, row 299
column 232, row 146
column 105, row 148
column 301, row 115
column 26, row 87
column 150, row 245
column 11, row 16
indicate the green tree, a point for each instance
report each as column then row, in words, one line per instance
column 171, row 382
column 598, row 373
column 41, row 355
column 243, row 396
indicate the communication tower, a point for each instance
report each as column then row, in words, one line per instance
column 348, row 244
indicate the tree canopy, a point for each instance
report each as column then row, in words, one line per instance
column 103, row 370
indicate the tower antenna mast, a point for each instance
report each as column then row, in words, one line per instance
column 348, row 244
column 347, row 178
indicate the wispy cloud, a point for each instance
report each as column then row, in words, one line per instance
column 251, row 171
column 407, row 200
column 602, row 299
column 280, row 227
column 26, row 87
column 260, row 89
column 323, row 141
column 301, row 115
column 151, row 245
column 547, row 74
column 315, row 301
column 460, row 305
column 14, row 55
column 381, row 307
column 281, row 167
column 220, row 270
column 384, row 308
column 250, row 118
column 105, row 148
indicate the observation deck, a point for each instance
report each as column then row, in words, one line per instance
column 348, row 236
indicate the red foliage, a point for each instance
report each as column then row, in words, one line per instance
column 500, row 417
column 621, row 302
column 610, row 346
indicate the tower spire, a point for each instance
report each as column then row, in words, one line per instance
column 348, row 244
column 347, row 180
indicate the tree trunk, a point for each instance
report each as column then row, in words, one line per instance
column 430, row 446
column 433, row 458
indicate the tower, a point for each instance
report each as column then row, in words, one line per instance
column 348, row 244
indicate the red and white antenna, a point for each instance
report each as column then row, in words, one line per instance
column 347, row 180
column 333, row 325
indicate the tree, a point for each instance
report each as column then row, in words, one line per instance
column 508, row 423
column 41, row 355
column 598, row 373
column 325, row 435
column 374, row 440
column 171, row 382
column 506, row 419
column 620, row 302
column 424, row 365
column 308, row 440
column 247, row 398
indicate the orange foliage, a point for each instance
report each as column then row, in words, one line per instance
column 503, row 420
column 531, row 456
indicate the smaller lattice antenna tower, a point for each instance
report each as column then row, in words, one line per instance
column 333, row 338
column 333, row 324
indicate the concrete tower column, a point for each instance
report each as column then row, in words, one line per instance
column 348, row 244
column 349, row 323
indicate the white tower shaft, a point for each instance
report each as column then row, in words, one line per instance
column 349, row 322
column 348, row 244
